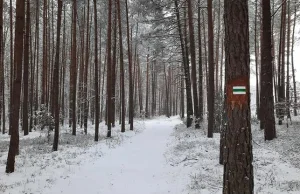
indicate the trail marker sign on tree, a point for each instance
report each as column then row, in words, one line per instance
column 239, row 90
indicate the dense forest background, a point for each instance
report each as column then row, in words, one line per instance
column 82, row 62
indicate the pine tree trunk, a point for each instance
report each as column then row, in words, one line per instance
column 205, row 59
column 131, row 111
column 217, row 51
column 135, row 69
column 96, row 83
column 200, row 67
column 147, row 87
column 15, row 101
column 56, row 75
column 273, row 61
column 287, row 92
column 45, row 55
column 256, row 61
column 281, row 63
column 121, row 69
column 211, row 91
column 266, row 84
column 80, row 109
column 189, row 99
column 26, row 71
column 113, row 70
column 238, row 169
column 109, row 72
column 140, row 88
column 186, row 71
column 222, row 64
column 31, row 79
column 153, row 103
column 86, row 68
column 102, row 91
column 64, row 60
column 11, row 63
column 182, row 111
column 37, row 48
column 224, row 120
column 2, row 80
column 166, row 109
column 74, row 68
column 293, row 69
column 193, row 63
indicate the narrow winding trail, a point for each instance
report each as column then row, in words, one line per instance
column 136, row 167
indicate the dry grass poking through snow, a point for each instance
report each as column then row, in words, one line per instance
column 276, row 163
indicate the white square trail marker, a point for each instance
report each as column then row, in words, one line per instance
column 239, row 90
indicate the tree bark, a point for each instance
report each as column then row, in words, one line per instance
column 193, row 63
column 200, row 66
column 121, row 69
column 131, row 111
column 266, row 83
column 74, row 68
column 186, row 70
column 287, row 92
column 281, row 63
column 113, row 69
column 26, row 71
column 211, row 91
column 96, row 83
column 45, row 55
column 147, row 87
column 218, row 50
column 37, row 48
column 256, row 60
column 56, row 75
column 109, row 72
column 2, row 80
column 64, row 62
column 140, row 88
column 86, row 67
column 15, row 101
column 11, row 63
column 189, row 99
column 293, row 69
column 238, row 169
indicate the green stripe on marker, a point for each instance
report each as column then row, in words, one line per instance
column 239, row 90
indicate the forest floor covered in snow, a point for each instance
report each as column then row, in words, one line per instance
column 161, row 156
column 38, row 168
column 276, row 163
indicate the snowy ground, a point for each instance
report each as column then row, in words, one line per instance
column 276, row 163
column 138, row 166
column 38, row 168
column 160, row 157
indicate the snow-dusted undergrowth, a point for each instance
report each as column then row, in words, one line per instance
column 38, row 167
column 276, row 163
column 191, row 149
column 190, row 161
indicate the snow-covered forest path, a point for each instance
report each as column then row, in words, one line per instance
column 138, row 166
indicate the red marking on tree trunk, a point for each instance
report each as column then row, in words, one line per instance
column 237, row 100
